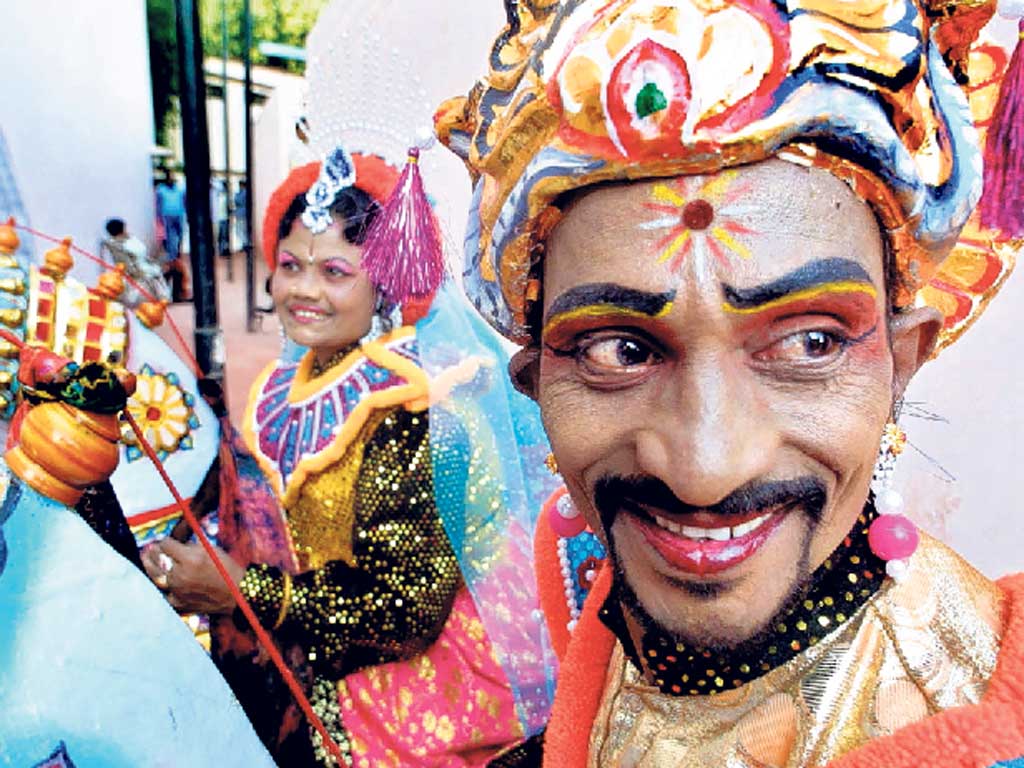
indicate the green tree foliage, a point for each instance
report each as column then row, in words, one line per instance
column 163, row 62
column 277, row 21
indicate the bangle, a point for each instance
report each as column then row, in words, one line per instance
column 286, row 600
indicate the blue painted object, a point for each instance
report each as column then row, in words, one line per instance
column 95, row 660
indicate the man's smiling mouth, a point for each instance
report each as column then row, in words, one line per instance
column 705, row 551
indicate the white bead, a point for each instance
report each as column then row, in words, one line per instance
column 537, row 615
column 567, row 582
column 571, row 625
column 1010, row 9
column 897, row 569
column 590, row 575
column 566, row 508
column 889, row 502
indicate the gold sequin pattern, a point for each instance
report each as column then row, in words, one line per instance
column 263, row 587
column 322, row 517
column 394, row 600
column 916, row 648
column 324, row 700
column 837, row 590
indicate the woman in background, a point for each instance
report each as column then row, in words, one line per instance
column 365, row 595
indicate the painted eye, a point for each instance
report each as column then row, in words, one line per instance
column 287, row 262
column 617, row 355
column 806, row 346
column 336, row 269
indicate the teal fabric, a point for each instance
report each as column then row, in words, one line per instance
column 486, row 428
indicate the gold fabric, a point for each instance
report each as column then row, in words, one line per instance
column 390, row 598
column 322, row 517
column 918, row 647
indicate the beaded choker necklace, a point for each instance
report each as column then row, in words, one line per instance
column 319, row 369
column 835, row 592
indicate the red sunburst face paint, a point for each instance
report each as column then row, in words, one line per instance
column 695, row 213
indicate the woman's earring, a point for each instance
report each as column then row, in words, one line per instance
column 893, row 537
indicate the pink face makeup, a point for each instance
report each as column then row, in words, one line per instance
column 337, row 267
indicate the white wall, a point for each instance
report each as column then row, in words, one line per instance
column 276, row 148
column 75, row 106
column 976, row 387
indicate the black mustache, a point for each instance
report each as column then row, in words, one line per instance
column 637, row 493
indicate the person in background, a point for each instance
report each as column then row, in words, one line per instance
column 241, row 220
column 219, row 212
column 124, row 248
column 170, row 208
column 364, row 585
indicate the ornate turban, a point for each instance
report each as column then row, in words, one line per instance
column 879, row 92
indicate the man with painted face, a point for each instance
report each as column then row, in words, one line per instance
column 726, row 236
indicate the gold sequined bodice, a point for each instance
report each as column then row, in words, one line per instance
column 321, row 519
column 916, row 648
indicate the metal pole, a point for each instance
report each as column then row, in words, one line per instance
column 250, row 262
column 229, row 205
column 195, row 137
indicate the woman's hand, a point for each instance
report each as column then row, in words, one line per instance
column 189, row 578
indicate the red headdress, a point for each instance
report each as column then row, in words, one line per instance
column 378, row 179
column 373, row 175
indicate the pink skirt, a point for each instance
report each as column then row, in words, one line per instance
column 449, row 707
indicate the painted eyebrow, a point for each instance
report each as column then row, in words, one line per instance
column 335, row 260
column 809, row 276
column 613, row 296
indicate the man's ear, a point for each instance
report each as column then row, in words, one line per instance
column 524, row 368
column 912, row 337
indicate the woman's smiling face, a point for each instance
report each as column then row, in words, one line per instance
column 322, row 295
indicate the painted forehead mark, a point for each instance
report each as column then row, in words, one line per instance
column 599, row 299
column 809, row 281
column 698, row 217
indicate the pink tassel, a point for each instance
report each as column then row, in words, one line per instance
column 403, row 255
column 1002, row 205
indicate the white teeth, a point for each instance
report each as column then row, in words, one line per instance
column 749, row 526
column 713, row 534
column 743, row 530
column 304, row 315
column 668, row 525
column 719, row 534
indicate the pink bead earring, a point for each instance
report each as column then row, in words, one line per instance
column 565, row 519
column 893, row 537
